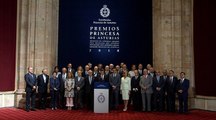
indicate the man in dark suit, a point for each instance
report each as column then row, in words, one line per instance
column 106, row 71
column 158, row 91
column 89, row 90
column 79, row 89
column 62, row 78
column 111, row 66
column 31, row 83
column 140, row 69
column 100, row 67
column 182, row 91
column 115, row 81
column 135, row 87
column 85, row 73
column 42, row 82
column 151, row 72
column 96, row 73
column 165, row 78
column 70, row 68
column 103, row 77
column 171, row 91
column 106, row 75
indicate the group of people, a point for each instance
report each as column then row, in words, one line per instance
column 145, row 89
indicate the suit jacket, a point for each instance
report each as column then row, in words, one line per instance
column 85, row 74
column 30, row 82
column 183, row 86
column 71, row 70
column 115, row 81
column 152, row 74
column 89, row 87
column 140, row 72
column 159, row 84
column 42, row 86
column 105, row 78
column 79, row 83
column 135, row 83
column 146, row 82
column 53, row 85
column 62, row 82
column 171, row 87
column 96, row 76
column 165, row 79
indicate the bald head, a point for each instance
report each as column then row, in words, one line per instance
column 64, row 70
column 145, row 72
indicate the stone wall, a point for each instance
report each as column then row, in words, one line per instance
column 173, row 37
column 37, row 39
column 173, row 44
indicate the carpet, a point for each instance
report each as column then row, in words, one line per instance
column 20, row 114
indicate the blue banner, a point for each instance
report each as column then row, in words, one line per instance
column 105, row 31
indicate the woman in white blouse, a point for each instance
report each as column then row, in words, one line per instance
column 125, row 88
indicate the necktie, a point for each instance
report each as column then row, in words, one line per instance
column 44, row 77
column 181, row 81
column 90, row 80
column 171, row 80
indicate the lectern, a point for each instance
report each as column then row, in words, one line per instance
column 101, row 97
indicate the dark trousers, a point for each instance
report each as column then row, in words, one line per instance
column 114, row 98
column 78, row 99
column 62, row 100
column 183, row 103
column 158, row 101
column 30, row 98
column 89, row 100
column 136, row 98
column 165, row 102
column 54, row 98
column 43, row 99
column 171, row 102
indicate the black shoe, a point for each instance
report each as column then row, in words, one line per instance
column 27, row 110
column 33, row 109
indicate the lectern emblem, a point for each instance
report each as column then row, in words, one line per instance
column 101, row 98
column 105, row 11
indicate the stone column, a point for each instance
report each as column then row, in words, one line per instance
column 173, row 37
column 37, row 40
